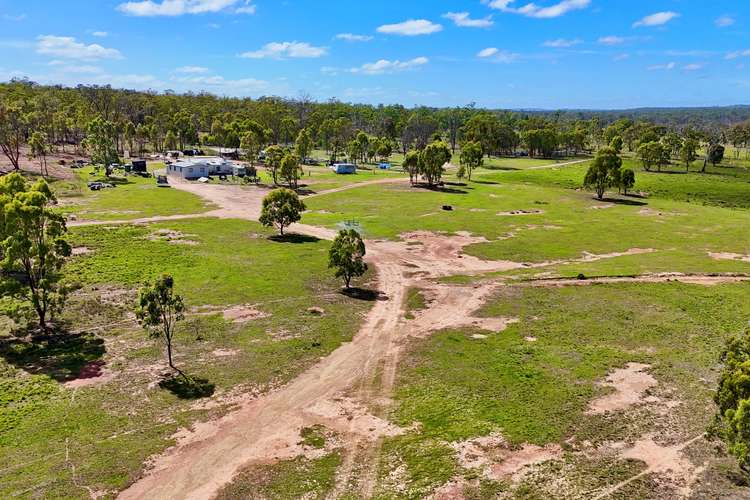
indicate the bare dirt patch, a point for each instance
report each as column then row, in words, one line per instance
column 243, row 314
column 497, row 461
column 630, row 385
column 650, row 212
column 668, row 462
column 225, row 353
column 347, row 416
column 729, row 256
column 94, row 373
column 234, row 314
column 81, row 251
column 603, row 206
column 172, row 236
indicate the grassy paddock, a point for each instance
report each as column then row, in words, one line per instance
column 55, row 440
column 458, row 387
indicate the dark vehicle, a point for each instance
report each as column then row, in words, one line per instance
column 139, row 167
column 310, row 161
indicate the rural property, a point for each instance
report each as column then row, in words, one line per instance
column 344, row 281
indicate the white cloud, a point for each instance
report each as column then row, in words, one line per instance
column 412, row 27
column 658, row 19
column 724, row 21
column 68, row 48
column 350, row 37
column 281, row 50
column 737, row 54
column 463, row 20
column 562, row 43
column 496, row 55
column 100, row 34
column 692, row 67
column 668, row 67
column 612, row 40
column 385, row 66
column 147, row 8
column 621, row 57
column 488, row 52
column 191, row 69
column 248, row 8
column 534, row 10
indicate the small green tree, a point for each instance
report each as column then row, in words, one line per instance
column 653, row 153
column 346, row 256
column 304, row 144
column 689, row 152
column 274, row 155
column 411, row 165
column 39, row 150
column 13, row 130
column 289, row 170
column 604, row 172
column 385, row 148
column 471, row 157
column 32, row 247
column 281, row 208
column 158, row 312
column 101, row 141
column 627, row 180
column 250, row 143
column 434, row 157
column 732, row 421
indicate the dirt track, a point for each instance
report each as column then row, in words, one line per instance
column 268, row 428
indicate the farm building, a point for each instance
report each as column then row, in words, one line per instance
column 344, row 168
column 198, row 167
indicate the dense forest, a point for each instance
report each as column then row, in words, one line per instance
column 103, row 122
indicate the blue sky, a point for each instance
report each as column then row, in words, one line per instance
column 496, row 53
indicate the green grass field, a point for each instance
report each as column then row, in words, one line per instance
column 133, row 197
column 54, row 439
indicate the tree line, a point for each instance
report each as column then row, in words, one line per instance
column 103, row 123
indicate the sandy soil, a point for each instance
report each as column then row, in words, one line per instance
column 497, row 461
column 630, row 385
column 729, row 256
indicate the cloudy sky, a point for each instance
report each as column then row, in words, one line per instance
column 496, row 53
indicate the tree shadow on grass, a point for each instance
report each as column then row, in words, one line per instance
column 501, row 167
column 60, row 355
column 363, row 294
column 293, row 238
column 187, row 387
column 621, row 201
column 492, row 183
